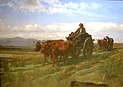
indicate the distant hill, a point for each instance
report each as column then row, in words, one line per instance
column 17, row 41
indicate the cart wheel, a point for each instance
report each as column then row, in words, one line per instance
column 88, row 47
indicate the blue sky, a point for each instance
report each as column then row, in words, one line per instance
column 55, row 19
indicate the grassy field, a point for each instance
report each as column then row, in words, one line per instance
column 22, row 67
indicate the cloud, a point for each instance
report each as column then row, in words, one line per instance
column 4, row 27
column 61, row 30
column 101, row 29
column 51, row 6
column 105, row 27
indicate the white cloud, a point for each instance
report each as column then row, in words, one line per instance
column 52, row 6
column 33, row 28
column 61, row 30
column 71, row 5
column 95, row 5
column 105, row 27
column 101, row 29
column 3, row 27
column 50, row 1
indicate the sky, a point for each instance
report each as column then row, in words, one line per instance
column 56, row 19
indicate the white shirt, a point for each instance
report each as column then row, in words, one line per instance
column 80, row 30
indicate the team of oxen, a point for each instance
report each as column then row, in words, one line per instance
column 54, row 49
column 106, row 44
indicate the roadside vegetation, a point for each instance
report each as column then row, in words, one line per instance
column 23, row 68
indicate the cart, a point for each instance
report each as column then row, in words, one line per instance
column 83, row 44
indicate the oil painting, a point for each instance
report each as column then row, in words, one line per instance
column 61, row 43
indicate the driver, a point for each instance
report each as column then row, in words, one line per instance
column 81, row 30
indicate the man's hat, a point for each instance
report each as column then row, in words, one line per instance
column 81, row 24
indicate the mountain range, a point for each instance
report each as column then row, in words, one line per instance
column 17, row 41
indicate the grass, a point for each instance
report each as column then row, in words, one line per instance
column 113, row 68
column 24, row 69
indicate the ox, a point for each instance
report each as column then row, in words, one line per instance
column 110, row 42
column 110, row 46
column 103, row 44
column 61, row 49
column 46, row 48
column 38, row 45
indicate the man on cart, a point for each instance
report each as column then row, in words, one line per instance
column 81, row 40
column 80, row 34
